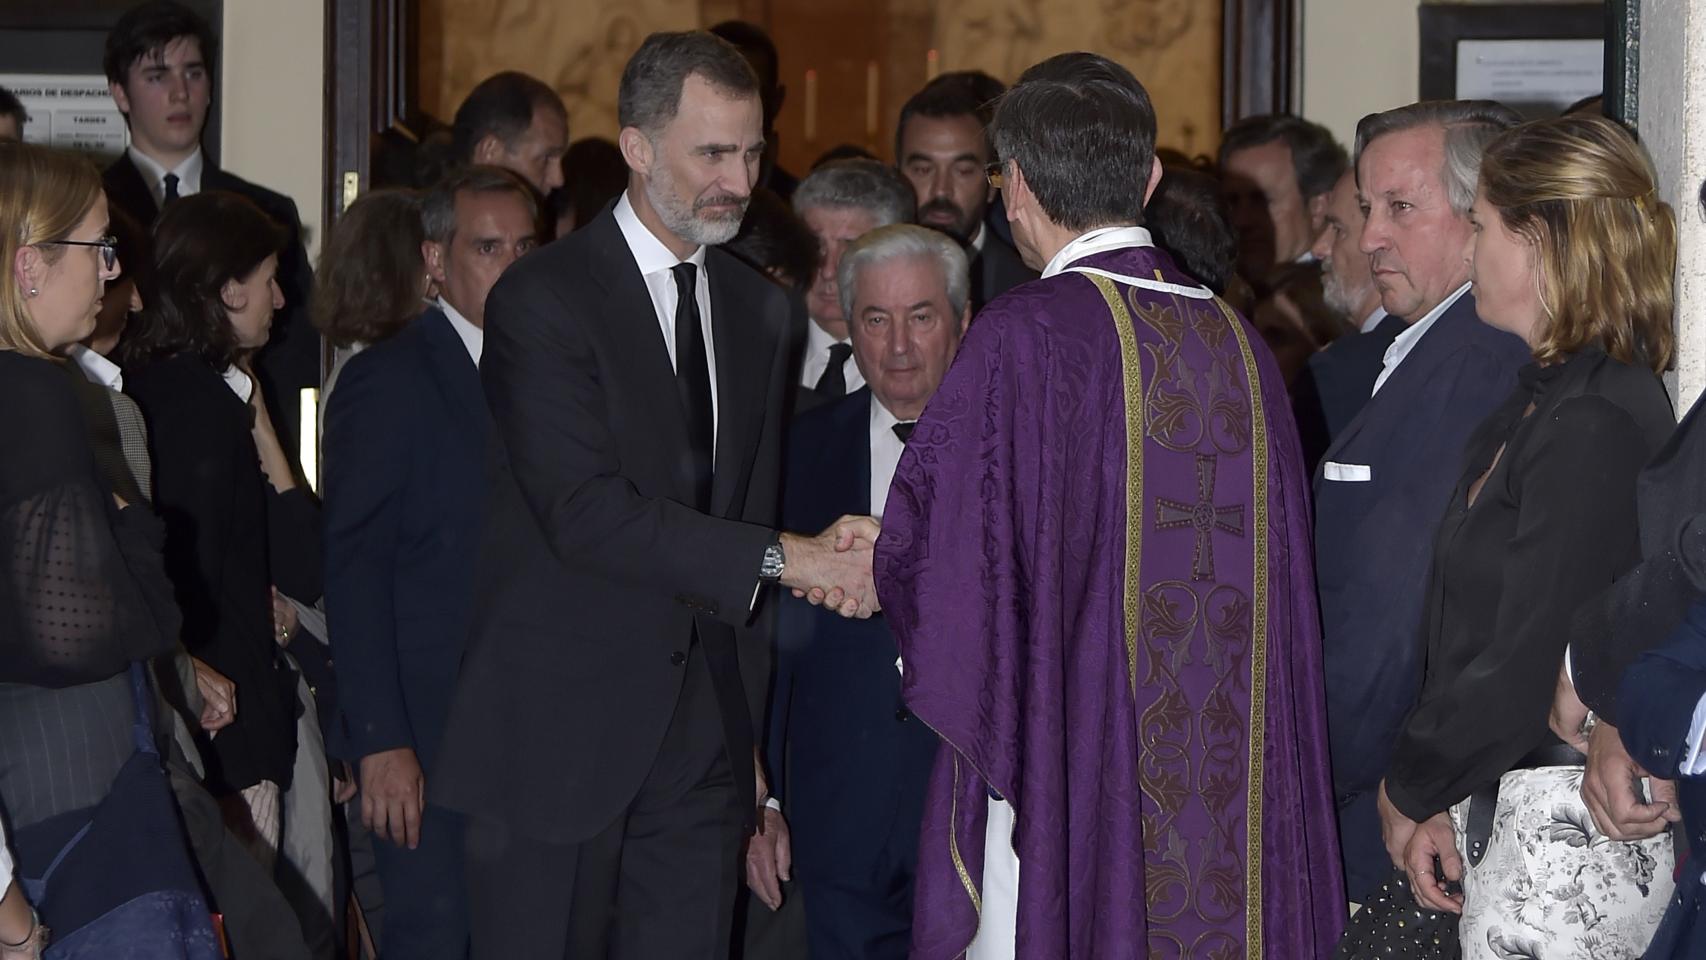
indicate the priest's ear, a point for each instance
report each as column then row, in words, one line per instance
column 1154, row 180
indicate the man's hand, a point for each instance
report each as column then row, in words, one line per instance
column 343, row 783
column 218, row 696
column 1433, row 838
column 833, row 569
column 1395, row 828
column 283, row 618
column 1609, row 790
column 1568, row 712
column 769, row 858
column 393, row 791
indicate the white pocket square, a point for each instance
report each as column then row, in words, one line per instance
column 1347, row 472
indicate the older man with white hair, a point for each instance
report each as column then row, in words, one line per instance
column 841, row 201
column 853, row 759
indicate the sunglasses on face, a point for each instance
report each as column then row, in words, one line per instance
column 108, row 245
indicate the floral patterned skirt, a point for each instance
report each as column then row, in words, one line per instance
column 1551, row 885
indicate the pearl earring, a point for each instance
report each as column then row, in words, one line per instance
column 33, row 291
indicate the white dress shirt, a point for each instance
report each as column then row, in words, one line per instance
column 818, row 342
column 655, row 262
column 1407, row 340
column 886, row 449
column 1373, row 320
column 240, row 383
column 100, row 371
column 473, row 338
column 153, row 174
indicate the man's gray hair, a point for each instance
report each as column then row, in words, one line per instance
column 860, row 183
column 650, row 90
column 1469, row 125
column 901, row 241
column 438, row 209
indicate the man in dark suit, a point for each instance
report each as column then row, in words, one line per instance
column 160, row 63
column 853, row 759
column 1663, row 698
column 1338, row 380
column 601, row 736
column 840, row 202
column 942, row 146
column 405, row 443
column 1383, row 484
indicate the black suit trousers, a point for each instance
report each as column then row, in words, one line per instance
column 657, row 883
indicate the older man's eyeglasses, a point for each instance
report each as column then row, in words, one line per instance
column 994, row 173
column 108, row 245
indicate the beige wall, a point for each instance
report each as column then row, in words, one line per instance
column 1359, row 56
column 272, row 100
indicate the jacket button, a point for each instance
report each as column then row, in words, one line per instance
column 903, row 714
column 677, row 658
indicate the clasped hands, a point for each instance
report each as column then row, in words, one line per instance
column 833, row 569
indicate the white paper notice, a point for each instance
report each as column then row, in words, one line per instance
column 1530, row 74
column 73, row 111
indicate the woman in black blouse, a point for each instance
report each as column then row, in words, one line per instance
column 1573, row 252
column 237, row 523
column 83, row 602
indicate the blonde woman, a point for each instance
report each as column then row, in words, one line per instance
column 1573, row 253
column 83, row 603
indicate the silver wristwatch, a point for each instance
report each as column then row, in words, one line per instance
column 770, row 570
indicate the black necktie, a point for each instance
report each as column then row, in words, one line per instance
column 168, row 189
column 833, row 383
column 693, row 379
column 903, row 429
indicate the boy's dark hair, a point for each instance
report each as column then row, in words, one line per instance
column 146, row 29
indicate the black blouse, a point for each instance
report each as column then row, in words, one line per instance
column 83, row 592
column 1554, row 524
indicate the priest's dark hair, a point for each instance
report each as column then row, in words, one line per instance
column 651, row 82
column 1317, row 160
column 201, row 242
column 961, row 93
column 1082, row 132
column 146, row 29
column 502, row 106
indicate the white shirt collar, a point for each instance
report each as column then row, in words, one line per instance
column 882, row 421
column 100, row 371
column 819, row 340
column 1100, row 240
column 473, row 338
column 240, row 383
column 979, row 237
column 189, row 173
column 1373, row 319
column 1406, row 341
column 649, row 252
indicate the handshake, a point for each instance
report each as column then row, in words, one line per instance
column 833, row 569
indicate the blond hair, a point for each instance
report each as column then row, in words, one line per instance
column 44, row 195
column 1582, row 190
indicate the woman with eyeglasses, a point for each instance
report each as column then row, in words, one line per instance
column 84, row 602
column 235, row 516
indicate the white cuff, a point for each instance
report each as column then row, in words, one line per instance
column 773, row 804
column 1569, row 668
column 1693, row 764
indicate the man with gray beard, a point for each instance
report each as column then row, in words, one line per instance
column 601, row 738
column 1332, row 390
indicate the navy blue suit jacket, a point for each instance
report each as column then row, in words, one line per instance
column 848, row 761
column 1658, row 697
column 1373, row 545
column 406, row 429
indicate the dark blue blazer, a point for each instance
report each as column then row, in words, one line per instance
column 406, row 428
column 1657, row 701
column 1336, row 384
column 848, row 761
column 1373, row 545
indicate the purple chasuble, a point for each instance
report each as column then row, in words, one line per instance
column 1096, row 545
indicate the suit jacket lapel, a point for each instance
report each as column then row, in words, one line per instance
column 451, row 363
column 741, row 376
column 126, row 188
column 632, row 319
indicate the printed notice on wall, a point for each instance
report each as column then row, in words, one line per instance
column 1536, row 77
column 71, row 110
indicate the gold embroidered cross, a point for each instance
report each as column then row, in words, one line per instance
column 1203, row 516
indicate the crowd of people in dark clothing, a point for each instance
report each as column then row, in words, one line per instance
column 237, row 701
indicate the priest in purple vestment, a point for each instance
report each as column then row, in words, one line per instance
column 1095, row 559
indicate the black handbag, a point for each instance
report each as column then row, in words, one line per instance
column 1392, row 926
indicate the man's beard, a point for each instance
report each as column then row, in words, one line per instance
column 685, row 219
column 1334, row 294
column 959, row 226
